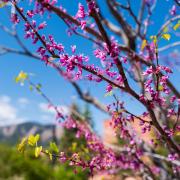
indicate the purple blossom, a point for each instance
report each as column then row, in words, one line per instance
column 81, row 12
column 172, row 11
column 42, row 25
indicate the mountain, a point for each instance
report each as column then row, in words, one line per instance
column 12, row 134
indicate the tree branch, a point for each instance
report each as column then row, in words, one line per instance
column 169, row 46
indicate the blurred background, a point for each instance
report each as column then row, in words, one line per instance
column 23, row 112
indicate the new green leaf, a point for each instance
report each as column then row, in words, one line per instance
column 166, row 36
column 22, row 145
column 54, row 147
column 21, row 77
column 38, row 151
column 32, row 140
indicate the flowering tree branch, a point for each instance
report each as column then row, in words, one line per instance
column 120, row 65
column 120, row 68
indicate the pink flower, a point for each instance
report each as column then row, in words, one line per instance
column 124, row 59
column 83, row 24
column 41, row 50
column 62, row 157
column 42, row 25
column 33, row 23
column 100, row 54
column 27, row 35
column 59, row 47
column 27, row 26
column 14, row 18
column 73, row 48
column 172, row 157
column 81, row 13
column 92, row 6
column 148, row 71
column 30, row 13
column 173, row 10
column 172, row 99
column 171, row 112
column 109, row 88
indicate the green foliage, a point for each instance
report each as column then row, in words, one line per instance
column 38, row 151
column 166, row 36
column 176, row 26
column 32, row 140
column 22, row 145
column 26, row 167
column 15, row 164
column 69, row 144
column 38, row 87
column 54, row 147
column 64, row 173
column 143, row 45
column 21, row 77
column 87, row 115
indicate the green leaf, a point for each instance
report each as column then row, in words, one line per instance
column 38, row 87
column 22, row 145
column 32, row 140
column 177, row 133
column 21, row 77
column 165, row 30
column 48, row 153
column 166, row 36
column 31, row 88
column 74, row 146
column 154, row 38
column 38, row 151
column 160, row 88
column 144, row 43
column 176, row 26
column 54, row 147
column 50, row 156
column 2, row 4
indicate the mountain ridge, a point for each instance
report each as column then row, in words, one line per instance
column 11, row 134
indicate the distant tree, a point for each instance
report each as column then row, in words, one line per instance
column 71, row 141
column 88, row 115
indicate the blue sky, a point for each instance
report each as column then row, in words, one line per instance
column 19, row 104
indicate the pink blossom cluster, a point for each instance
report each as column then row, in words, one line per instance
column 105, row 159
column 110, row 68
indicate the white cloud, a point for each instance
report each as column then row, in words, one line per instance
column 45, row 108
column 5, row 98
column 12, row 112
column 46, row 117
column 23, row 101
column 8, row 112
